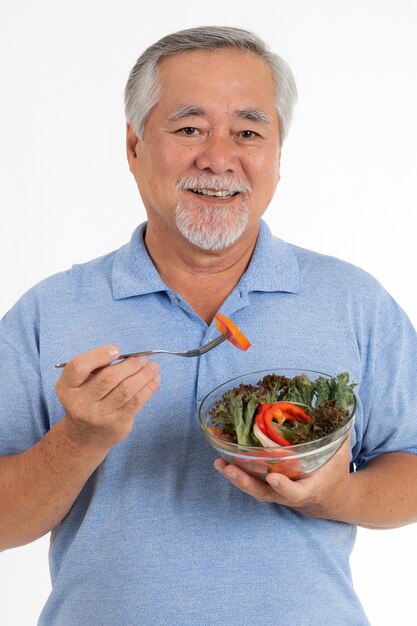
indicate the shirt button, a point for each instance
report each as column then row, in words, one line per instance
column 174, row 298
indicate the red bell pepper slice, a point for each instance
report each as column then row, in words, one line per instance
column 281, row 412
column 293, row 409
column 260, row 417
column 236, row 337
column 275, row 414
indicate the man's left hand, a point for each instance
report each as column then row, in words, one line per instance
column 322, row 494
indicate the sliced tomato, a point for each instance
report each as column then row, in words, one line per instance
column 288, row 468
column 285, row 464
column 220, row 434
column 236, row 337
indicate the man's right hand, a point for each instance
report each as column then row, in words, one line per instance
column 39, row 486
column 101, row 399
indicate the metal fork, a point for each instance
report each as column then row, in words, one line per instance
column 196, row 352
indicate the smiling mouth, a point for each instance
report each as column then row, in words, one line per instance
column 217, row 194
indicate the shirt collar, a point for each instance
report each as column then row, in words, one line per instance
column 273, row 267
column 134, row 273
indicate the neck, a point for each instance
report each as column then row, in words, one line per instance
column 203, row 278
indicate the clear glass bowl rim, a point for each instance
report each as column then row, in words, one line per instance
column 299, row 447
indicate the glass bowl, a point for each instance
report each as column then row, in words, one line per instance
column 294, row 461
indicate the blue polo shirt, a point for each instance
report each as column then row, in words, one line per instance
column 157, row 536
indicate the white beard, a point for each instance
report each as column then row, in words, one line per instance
column 211, row 228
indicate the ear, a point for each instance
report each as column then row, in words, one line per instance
column 131, row 147
column 279, row 166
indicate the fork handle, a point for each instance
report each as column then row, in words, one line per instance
column 197, row 352
column 125, row 356
column 121, row 356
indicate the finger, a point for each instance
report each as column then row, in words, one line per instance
column 135, row 389
column 258, row 489
column 290, row 492
column 344, row 451
column 77, row 371
column 295, row 492
column 337, row 464
column 139, row 400
column 339, row 461
column 108, row 378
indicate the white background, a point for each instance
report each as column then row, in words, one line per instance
column 347, row 189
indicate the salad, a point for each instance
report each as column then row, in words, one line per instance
column 281, row 411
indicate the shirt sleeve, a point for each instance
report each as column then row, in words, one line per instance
column 23, row 409
column 388, row 390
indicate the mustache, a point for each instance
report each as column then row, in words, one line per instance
column 216, row 183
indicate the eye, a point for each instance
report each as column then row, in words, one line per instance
column 248, row 134
column 188, row 130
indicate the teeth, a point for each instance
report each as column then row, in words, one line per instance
column 210, row 192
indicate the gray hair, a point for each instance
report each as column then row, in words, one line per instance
column 143, row 89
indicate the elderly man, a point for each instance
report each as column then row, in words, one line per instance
column 109, row 457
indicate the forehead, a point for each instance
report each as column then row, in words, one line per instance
column 220, row 76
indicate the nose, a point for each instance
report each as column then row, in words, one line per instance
column 218, row 154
